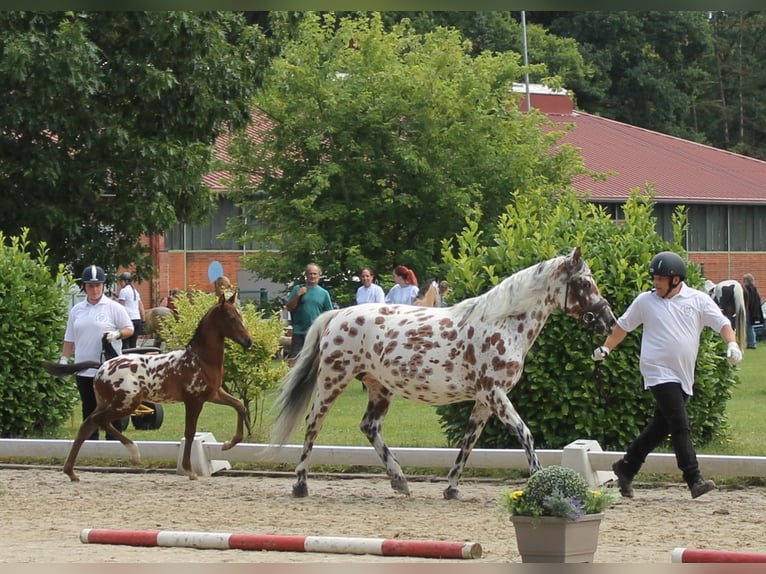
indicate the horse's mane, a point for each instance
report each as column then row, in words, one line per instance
column 515, row 294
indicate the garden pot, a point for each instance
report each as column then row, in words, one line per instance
column 553, row 539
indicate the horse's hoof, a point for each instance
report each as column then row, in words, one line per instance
column 74, row 478
column 451, row 493
column 192, row 476
column 227, row 445
column 399, row 484
column 300, row 490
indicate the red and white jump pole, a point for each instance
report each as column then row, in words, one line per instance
column 284, row 543
column 696, row 555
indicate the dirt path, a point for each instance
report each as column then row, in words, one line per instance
column 43, row 514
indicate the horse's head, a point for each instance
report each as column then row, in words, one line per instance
column 583, row 300
column 229, row 320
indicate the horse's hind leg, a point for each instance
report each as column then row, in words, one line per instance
column 224, row 398
column 479, row 417
column 377, row 407
column 87, row 428
column 322, row 403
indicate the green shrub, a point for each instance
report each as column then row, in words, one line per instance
column 33, row 313
column 560, row 396
column 248, row 374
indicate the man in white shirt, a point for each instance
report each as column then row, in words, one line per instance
column 673, row 316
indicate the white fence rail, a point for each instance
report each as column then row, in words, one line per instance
column 207, row 457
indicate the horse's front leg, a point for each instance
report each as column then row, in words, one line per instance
column 504, row 410
column 224, row 398
column 193, row 409
column 372, row 421
column 479, row 417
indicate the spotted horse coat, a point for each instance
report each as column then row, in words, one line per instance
column 473, row 350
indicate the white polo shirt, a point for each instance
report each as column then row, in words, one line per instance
column 87, row 324
column 672, row 329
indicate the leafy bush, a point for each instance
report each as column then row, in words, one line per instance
column 556, row 491
column 247, row 374
column 560, row 395
column 33, row 313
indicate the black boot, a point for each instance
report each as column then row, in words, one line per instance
column 701, row 486
column 624, row 481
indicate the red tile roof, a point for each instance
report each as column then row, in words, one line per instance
column 680, row 170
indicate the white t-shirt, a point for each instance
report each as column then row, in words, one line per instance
column 672, row 328
column 87, row 324
column 372, row 294
column 402, row 295
column 130, row 297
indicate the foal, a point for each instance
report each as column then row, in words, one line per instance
column 192, row 375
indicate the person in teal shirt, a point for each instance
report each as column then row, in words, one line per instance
column 305, row 303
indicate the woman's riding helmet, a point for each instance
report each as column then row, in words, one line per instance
column 126, row 276
column 667, row 264
column 93, row 274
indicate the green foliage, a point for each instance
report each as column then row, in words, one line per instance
column 33, row 314
column 248, row 374
column 109, row 120
column 380, row 143
column 556, row 491
column 560, row 396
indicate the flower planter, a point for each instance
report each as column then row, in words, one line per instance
column 553, row 539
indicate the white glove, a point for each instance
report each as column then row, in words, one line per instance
column 600, row 353
column 64, row 360
column 113, row 336
column 733, row 353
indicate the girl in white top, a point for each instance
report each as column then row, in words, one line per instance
column 406, row 289
column 369, row 292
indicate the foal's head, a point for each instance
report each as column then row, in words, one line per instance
column 226, row 319
column 583, row 299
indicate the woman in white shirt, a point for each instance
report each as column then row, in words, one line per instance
column 406, row 289
column 369, row 292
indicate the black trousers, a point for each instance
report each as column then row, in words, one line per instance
column 88, row 399
column 670, row 416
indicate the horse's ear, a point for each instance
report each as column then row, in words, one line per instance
column 221, row 299
column 576, row 255
column 233, row 297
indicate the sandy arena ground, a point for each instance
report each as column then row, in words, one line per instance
column 43, row 513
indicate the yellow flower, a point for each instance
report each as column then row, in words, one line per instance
column 516, row 494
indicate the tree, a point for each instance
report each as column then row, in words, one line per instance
column 108, row 121
column 379, row 145
column 33, row 306
column 649, row 66
column 560, row 396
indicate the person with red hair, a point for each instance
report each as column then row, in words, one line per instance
column 405, row 289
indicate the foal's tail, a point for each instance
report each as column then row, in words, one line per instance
column 299, row 383
column 62, row 370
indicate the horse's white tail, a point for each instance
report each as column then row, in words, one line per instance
column 741, row 315
column 298, row 385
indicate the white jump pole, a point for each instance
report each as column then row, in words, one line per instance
column 697, row 555
column 283, row 543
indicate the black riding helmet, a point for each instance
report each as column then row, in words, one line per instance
column 126, row 276
column 668, row 264
column 93, row 274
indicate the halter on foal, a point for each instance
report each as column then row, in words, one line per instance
column 192, row 375
column 473, row 350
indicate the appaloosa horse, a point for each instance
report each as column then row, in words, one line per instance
column 473, row 350
column 192, row 375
